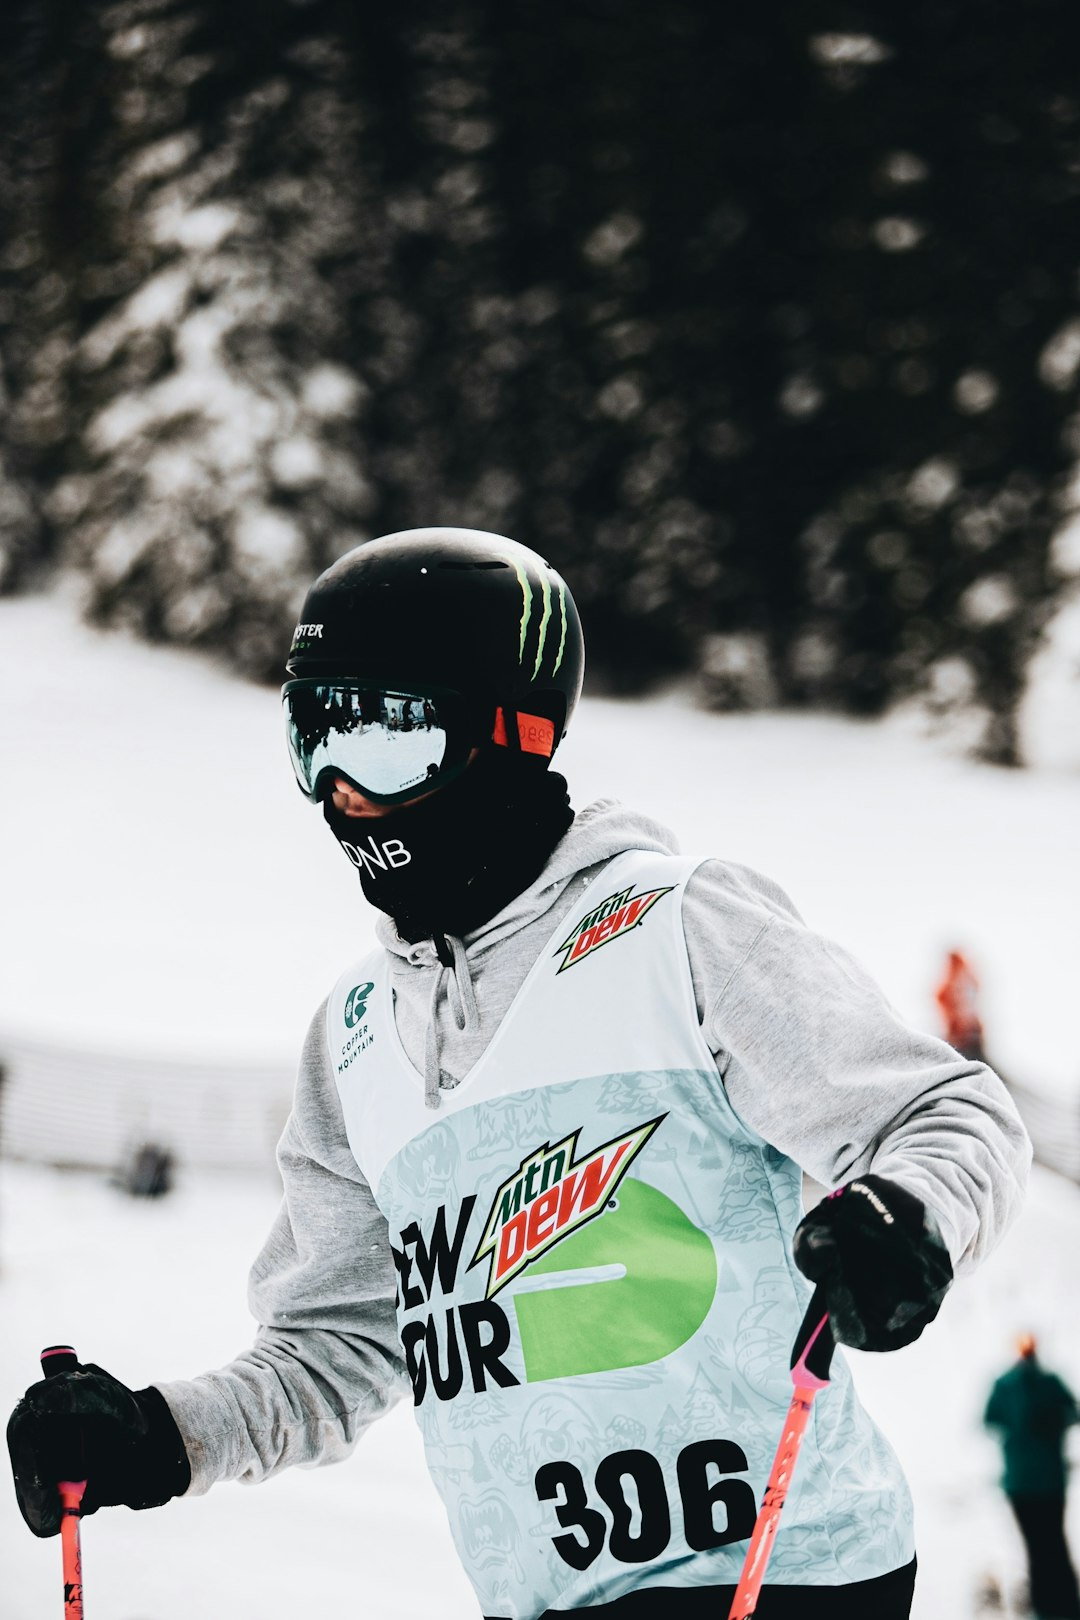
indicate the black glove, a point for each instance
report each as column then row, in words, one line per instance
column 86, row 1424
column 879, row 1257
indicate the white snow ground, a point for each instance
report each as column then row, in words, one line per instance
column 167, row 890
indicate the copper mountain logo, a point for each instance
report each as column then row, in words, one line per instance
column 609, row 920
column 356, row 1005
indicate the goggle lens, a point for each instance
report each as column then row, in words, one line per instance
column 387, row 743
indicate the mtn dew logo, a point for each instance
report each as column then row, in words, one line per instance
column 552, row 1194
column 609, row 920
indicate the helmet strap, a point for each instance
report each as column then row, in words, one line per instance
column 524, row 733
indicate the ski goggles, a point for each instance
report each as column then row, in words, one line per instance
column 391, row 745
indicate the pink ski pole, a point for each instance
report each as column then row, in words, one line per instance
column 810, row 1361
column 61, row 1358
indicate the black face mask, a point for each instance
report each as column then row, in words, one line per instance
column 450, row 862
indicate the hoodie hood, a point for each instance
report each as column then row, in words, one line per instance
column 598, row 833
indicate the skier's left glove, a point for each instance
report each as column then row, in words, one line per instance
column 879, row 1256
column 86, row 1424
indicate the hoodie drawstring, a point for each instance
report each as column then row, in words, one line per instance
column 452, row 975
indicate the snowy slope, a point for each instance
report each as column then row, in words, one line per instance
column 158, row 1292
column 167, row 890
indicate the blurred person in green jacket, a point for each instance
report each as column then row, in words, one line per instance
column 1033, row 1409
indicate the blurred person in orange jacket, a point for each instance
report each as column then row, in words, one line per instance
column 957, row 996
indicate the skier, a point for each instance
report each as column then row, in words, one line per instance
column 957, row 997
column 543, row 1164
column 1033, row 1409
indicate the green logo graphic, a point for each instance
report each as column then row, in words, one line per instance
column 517, row 564
column 660, row 1284
column 552, row 1193
column 356, row 1006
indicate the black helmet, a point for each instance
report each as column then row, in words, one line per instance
column 460, row 617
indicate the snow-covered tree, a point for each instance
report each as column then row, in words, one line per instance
column 763, row 327
column 216, row 466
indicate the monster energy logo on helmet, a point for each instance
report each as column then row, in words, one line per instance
column 520, row 567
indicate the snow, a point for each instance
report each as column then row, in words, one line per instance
column 143, row 857
column 296, row 463
column 1060, row 359
column 266, row 541
column 330, row 391
column 1050, row 711
column 159, row 302
column 163, row 157
column 195, row 228
column 989, row 601
column 157, row 1291
column 1065, row 548
column 161, row 859
column 167, row 890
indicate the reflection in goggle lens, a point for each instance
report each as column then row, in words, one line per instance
column 387, row 742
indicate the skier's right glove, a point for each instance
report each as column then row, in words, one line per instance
column 86, row 1424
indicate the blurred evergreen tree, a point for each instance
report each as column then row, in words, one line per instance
column 215, row 469
column 48, row 61
column 815, row 274
column 942, row 307
column 762, row 323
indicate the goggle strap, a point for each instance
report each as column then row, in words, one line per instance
column 535, row 735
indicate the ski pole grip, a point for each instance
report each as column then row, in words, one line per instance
column 812, row 1352
column 58, row 1358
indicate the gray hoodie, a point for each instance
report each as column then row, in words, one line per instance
column 812, row 1057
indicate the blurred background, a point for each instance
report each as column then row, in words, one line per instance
column 764, row 326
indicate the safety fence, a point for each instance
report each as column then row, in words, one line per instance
column 70, row 1107
column 75, row 1108
column 1053, row 1124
